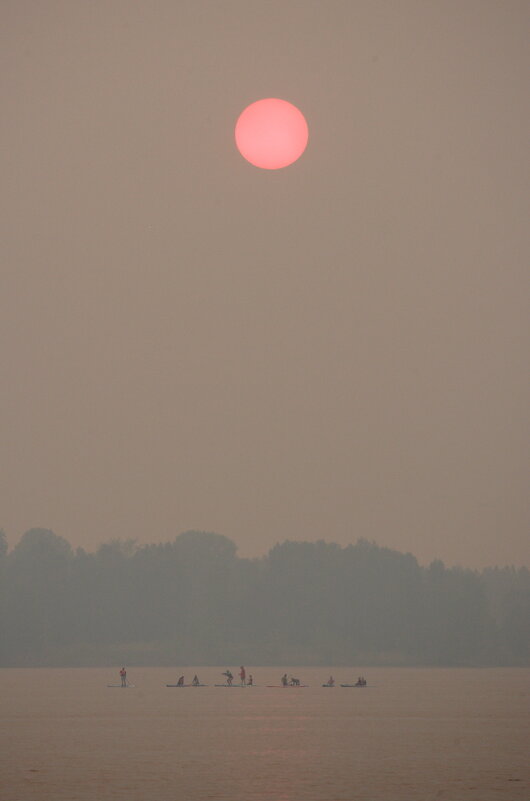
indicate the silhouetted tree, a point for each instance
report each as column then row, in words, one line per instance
column 37, row 592
column 193, row 599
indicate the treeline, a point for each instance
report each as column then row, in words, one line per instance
column 194, row 601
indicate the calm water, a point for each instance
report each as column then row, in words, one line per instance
column 411, row 734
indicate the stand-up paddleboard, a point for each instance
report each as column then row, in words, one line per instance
column 329, row 685
column 232, row 686
column 186, row 685
column 359, row 686
column 285, row 686
column 121, row 686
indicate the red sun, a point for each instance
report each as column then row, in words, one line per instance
column 271, row 133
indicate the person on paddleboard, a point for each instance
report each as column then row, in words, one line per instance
column 229, row 677
column 242, row 674
column 180, row 682
column 285, row 680
column 123, row 677
column 331, row 681
column 195, row 681
column 250, row 681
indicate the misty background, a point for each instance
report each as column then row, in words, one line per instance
column 194, row 601
column 337, row 350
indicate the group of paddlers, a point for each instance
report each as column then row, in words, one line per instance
column 361, row 682
column 290, row 681
column 287, row 681
column 242, row 677
column 195, row 681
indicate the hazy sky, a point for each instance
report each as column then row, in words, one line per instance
column 333, row 350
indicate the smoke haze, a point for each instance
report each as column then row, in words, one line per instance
column 331, row 351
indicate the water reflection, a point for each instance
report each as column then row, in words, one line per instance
column 418, row 733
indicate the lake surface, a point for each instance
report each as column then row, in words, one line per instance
column 410, row 734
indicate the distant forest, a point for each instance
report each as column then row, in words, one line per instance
column 193, row 601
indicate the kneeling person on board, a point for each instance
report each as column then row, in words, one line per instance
column 180, row 682
column 250, row 680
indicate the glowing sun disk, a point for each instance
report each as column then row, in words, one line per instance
column 271, row 133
